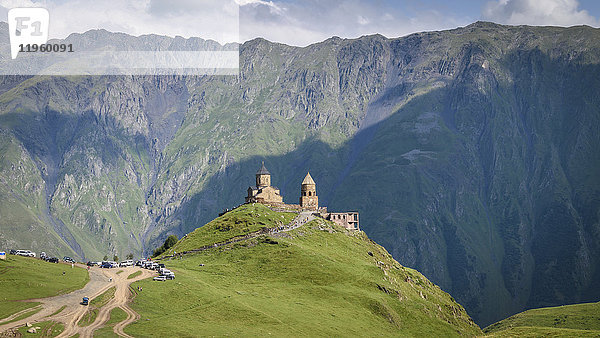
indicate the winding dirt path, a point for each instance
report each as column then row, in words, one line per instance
column 100, row 281
column 132, row 316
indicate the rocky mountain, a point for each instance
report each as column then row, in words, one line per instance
column 471, row 154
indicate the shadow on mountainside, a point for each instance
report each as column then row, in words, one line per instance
column 483, row 185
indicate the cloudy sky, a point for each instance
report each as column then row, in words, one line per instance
column 300, row 22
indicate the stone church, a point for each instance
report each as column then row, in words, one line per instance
column 264, row 193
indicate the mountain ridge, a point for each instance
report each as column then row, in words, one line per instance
column 458, row 148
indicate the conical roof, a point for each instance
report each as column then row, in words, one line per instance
column 263, row 170
column 308, row 180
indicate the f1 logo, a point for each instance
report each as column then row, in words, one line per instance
column 27, row 26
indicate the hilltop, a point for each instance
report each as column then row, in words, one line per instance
column 316, row 280
column 581, row 320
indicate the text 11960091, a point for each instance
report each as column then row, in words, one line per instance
column 46, row 48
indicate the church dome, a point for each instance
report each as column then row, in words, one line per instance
column 263, row 170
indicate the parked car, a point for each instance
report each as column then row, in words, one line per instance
column 109, row 264
column 43, row 255
column 52, row 260
column 170, row 276
column 12, row 252
column 68, row 259
column 151, row 265
column 160, row 278
column 126, row 263
column 85, row 301
column 25, row 253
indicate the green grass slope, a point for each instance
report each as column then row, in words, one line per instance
column 239, row 222
column 317, row 280
column 579, row 320
column 47, row 329
column 23, row 278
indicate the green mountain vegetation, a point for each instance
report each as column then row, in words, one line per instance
column 316, row 280
column 579, row 320
column 169, row 242
column 24, row 278
column 471, row 154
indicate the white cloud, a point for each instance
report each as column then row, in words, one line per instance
column 538, row 12
column 295, row 22
column 304, row 22
column 362, row 20
column 208, row 19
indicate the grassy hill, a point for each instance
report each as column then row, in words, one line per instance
column 26, row 278
column 239, row 222
column 579, row 320
column 317, row 280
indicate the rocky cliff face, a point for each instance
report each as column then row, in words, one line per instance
column 471, row 154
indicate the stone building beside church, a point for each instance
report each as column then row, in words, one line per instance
column 264, row 193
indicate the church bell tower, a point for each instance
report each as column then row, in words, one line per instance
column 308, row 194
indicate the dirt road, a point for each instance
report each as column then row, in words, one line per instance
column 100, row 281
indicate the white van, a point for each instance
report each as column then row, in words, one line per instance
column 126, row 263
column 25, row 253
